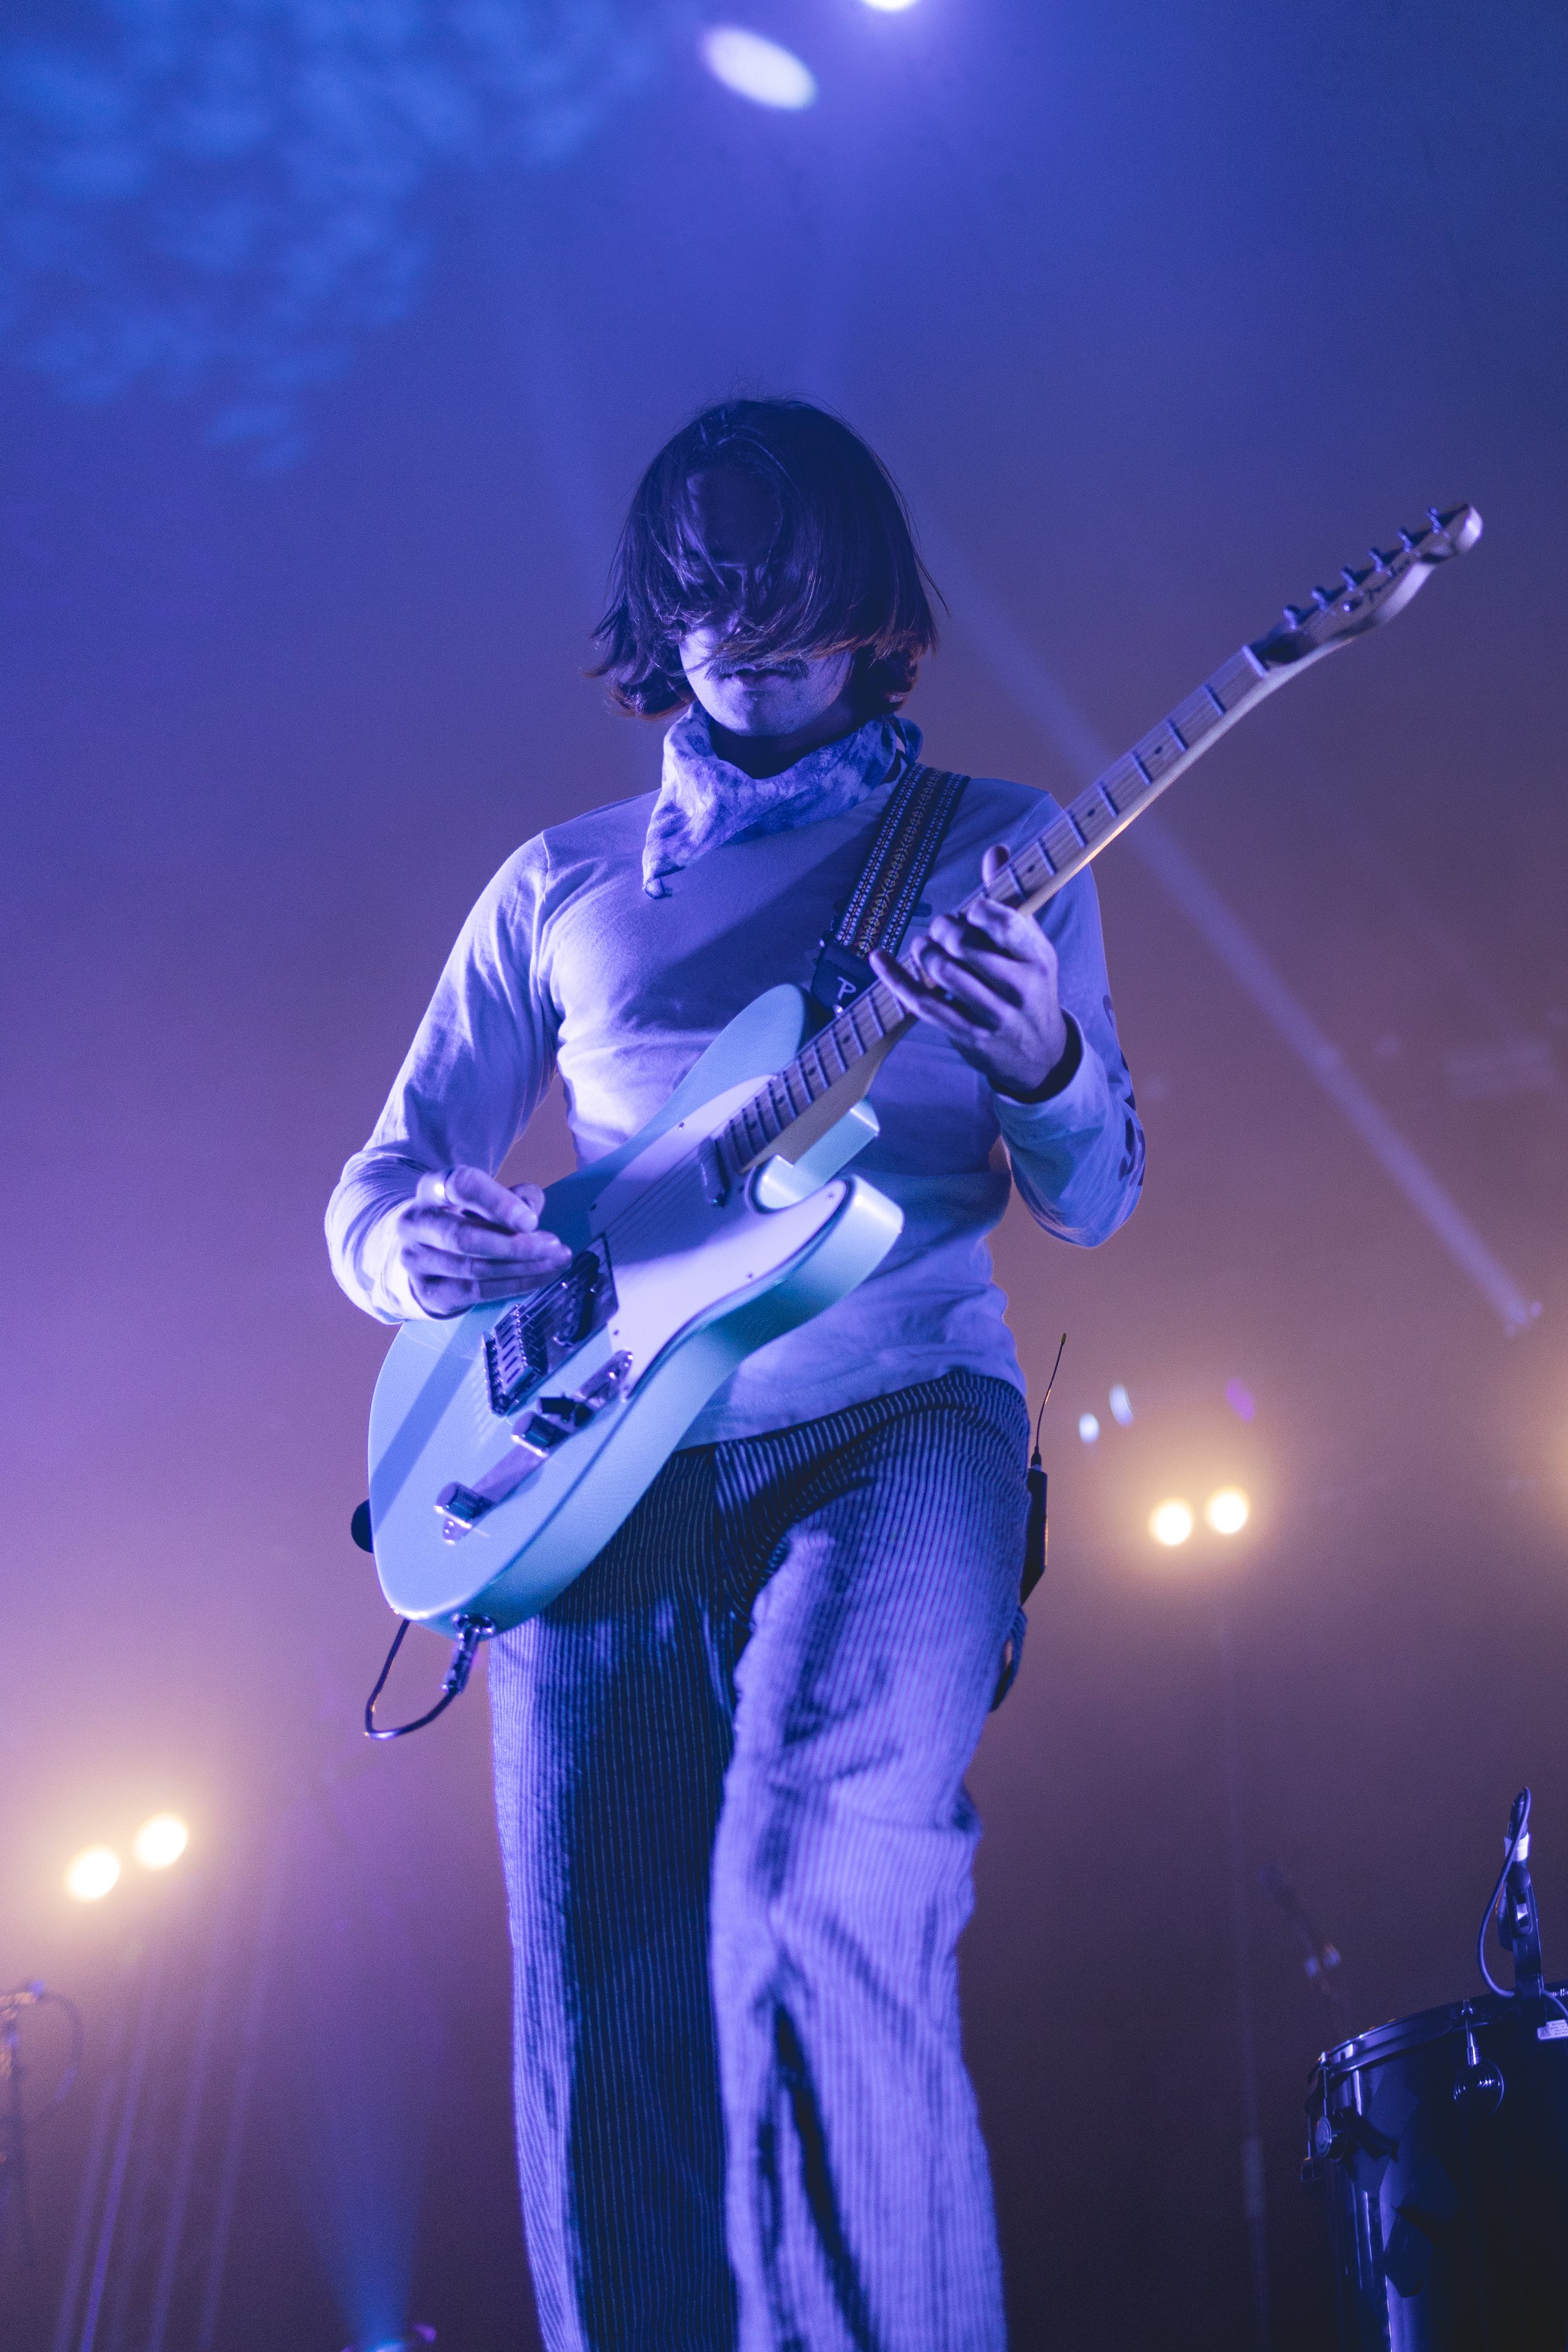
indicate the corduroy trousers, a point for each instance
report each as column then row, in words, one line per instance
column 730, row 1768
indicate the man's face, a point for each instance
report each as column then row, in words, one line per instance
column 739, row 519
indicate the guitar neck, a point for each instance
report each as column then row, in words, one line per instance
column 832, row 1073
column 1107, row 806
column 836, row 1068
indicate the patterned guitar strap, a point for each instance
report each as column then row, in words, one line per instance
column 875, row 915
column 887, row 890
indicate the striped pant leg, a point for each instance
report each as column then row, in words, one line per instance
column 611, row 1725
column 859, row 2199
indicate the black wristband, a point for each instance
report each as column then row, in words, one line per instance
column 1058, row 1080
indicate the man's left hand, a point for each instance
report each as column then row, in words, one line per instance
column 987, row 980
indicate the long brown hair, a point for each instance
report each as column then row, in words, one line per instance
column 843, row 574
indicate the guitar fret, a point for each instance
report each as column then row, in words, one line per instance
column 1116, row 782
column 1091, row 815
column 1061, row 844
column 1238, row 678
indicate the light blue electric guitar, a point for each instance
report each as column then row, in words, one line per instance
column 507, row 1446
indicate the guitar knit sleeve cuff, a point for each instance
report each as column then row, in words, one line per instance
column 1077, row 1156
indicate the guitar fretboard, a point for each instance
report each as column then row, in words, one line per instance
column 873, row 1022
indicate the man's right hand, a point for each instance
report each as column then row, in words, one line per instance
column 464, row 1240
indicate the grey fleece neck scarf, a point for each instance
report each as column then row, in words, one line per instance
column 703, row 802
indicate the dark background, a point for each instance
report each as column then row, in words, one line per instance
column 316, row 420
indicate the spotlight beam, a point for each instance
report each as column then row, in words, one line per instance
column 1019, row 671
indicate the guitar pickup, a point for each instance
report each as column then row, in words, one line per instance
column 527, row 1343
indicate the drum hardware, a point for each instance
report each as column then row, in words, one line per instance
column 1479, row 2087
column 1439, row 2145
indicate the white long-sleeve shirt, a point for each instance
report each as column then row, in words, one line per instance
column 566, row 963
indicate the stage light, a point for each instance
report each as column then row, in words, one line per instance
column 1088, row 1427
column 889, row 7
column 1121, row 1405
column 95, row 1870
column 756, row 68
column 1228, row 1511
column 1170, row 1523
column 160, row 1840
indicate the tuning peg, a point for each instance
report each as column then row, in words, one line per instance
column 1352, row 578
column 1322, row 598
column 1295, row 614
column 1379, row 561
column 1410, row 540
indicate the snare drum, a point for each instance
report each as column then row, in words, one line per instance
column 1440, row 2147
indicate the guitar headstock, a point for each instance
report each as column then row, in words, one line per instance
column 1366, row 598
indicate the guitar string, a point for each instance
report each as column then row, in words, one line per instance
column 1062, row 870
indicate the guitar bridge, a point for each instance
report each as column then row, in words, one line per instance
column 553, row 1421
column 524, row 1346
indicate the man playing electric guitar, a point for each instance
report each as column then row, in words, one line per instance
column 729, row 1757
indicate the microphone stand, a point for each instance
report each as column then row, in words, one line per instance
column 14, row 2116
column 1254, row 2205
column 1320, row 1960
column 14, row 2124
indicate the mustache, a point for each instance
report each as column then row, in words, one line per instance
column 789, row 666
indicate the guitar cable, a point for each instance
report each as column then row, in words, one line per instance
column 471, row 1632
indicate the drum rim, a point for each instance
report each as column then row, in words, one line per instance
column 1478, row 2012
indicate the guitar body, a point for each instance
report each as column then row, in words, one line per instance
column 483, row 1512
